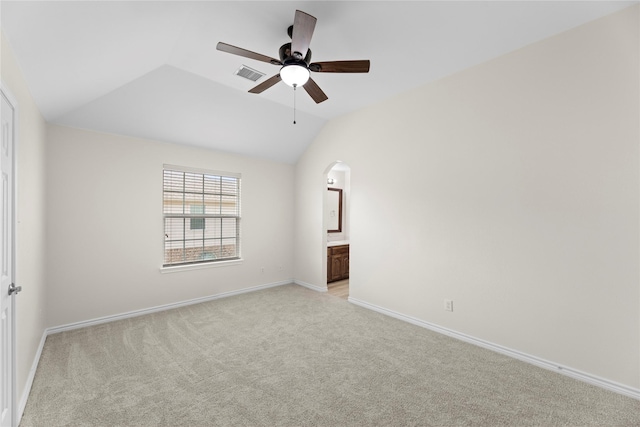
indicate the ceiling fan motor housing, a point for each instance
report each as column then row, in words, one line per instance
column 286, row 55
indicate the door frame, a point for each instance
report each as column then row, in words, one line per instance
column 6, row 93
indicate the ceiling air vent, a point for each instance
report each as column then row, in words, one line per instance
column 249, row 73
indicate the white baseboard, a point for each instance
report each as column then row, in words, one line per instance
column 591, row 379
column 310, row 286
column 564, row 370
column 142, row 312
column 32, row 373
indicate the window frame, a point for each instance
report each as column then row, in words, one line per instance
column 187, row 216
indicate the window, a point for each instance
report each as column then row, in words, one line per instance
column 201, row 216
column 197, row 223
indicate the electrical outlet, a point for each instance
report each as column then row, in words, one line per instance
column 261, row 269
column 448, row 305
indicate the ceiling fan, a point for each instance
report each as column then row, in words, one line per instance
column 295, row 60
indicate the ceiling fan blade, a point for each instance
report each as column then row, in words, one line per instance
column 224, row 47
column 341, row 66
column 265, row 84
column 303, row 26
column 314, row 91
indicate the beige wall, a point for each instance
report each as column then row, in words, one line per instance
column 511, row 188
column 30, row 219
column 105, row 228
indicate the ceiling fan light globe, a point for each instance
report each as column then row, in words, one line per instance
column 294, row 75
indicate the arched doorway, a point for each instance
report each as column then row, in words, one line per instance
column 336, row 224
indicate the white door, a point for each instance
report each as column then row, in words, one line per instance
column 7, row 289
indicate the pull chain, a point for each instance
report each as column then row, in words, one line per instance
column 294, row 103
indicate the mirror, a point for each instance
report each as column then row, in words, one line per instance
column 334, row 210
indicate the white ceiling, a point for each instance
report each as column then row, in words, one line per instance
column 150, row 69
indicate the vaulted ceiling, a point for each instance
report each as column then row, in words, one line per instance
column 150, row 69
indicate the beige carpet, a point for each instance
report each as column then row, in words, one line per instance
column 288, row 356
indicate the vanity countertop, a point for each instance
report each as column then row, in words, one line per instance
column 337, row 243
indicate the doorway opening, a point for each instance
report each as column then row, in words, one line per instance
column 336, row 223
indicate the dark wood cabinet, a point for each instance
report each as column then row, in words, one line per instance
column 337, row 263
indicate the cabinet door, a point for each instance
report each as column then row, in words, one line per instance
column 345, row 266
column 336, row 267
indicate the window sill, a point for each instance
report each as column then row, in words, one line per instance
column 178, row 268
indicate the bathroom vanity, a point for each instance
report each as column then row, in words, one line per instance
column 337, row 262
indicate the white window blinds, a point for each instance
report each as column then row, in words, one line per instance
column 201, row 216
